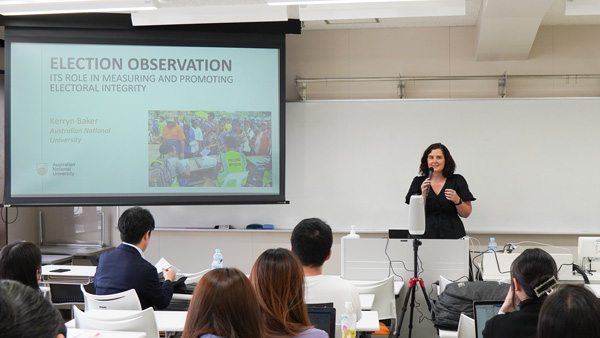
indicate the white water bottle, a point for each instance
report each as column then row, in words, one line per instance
column 352, row 234
column 217, row 261
column 348, row 321
column 492, row 245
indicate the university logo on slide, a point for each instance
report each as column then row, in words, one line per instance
column 42, row 168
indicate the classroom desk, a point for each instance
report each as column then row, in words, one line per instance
column 174, row 321
column 496, row 266
column 366, row 299
column 56, row 259
column 74, row 274
column 594, row 279
column 84, row 333
column 75, row 250
column 369, row 322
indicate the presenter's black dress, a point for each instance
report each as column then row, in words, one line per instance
column 442, row 220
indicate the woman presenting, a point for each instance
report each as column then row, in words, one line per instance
column 446, row 194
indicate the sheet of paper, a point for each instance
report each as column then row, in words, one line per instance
column 204, row 152
column 163, row 264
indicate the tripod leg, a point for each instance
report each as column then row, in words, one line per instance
column 412, row 310
column 408, row 292
column 425, row 294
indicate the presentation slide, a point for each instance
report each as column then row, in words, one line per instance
column 127, row 120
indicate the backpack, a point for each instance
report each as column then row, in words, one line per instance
column 159, row 175
column 459, row 297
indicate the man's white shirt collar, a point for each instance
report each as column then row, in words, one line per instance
column 138, row 249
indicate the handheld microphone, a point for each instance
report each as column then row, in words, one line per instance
column 429, row 177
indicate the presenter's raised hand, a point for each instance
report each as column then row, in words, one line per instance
column 425, row 186
column 169, row 274
column 451, row 195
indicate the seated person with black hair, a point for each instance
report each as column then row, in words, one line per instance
column 572, row 311
column 533, row 274
column 21, row 261
column 25, row 313
column 125, row 268
column 178, row 171
column 311, row 242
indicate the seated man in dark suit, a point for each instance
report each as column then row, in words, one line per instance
column 125, row 268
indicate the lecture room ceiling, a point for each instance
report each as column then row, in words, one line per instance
column 506, row 29
column 410, row 13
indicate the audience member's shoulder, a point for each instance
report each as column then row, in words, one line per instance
column 208, row 335
column 313, row 333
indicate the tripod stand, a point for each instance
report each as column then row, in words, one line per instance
column 412, row 288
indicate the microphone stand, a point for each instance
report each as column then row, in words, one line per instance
column 410, row 294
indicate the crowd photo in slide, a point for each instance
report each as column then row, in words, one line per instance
column 200, row 149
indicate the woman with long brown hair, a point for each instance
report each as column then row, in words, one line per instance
column 278, row 278
column 224, row 305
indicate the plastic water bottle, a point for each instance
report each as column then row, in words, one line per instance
column 352, row 234
column 492, row 245
column 217, row 261
column 348, row 321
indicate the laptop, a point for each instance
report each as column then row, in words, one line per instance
column 323, row 318
column 483, row 310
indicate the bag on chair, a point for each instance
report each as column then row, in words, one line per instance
column 459, row 297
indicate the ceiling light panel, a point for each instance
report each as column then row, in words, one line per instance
column 31, row 7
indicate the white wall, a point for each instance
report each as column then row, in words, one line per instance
column 440, row 51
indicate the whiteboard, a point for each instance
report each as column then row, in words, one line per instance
column 529, row 163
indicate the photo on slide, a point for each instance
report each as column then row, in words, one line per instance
column 209, row 149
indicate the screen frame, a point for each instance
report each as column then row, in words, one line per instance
column 170, row 37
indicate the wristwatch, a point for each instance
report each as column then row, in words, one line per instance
column 459, row 202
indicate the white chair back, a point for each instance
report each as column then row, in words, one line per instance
column 235, row 178
column 126, row 300
column 443, row 283
column 385, row 301
column 137, row 321
column 466, row 327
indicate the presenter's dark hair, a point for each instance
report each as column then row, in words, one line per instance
column 449, row 166
column 25, row 313
column 572, row 311
column 224, row 304
column 134, row 223
column 311, row 241
column 531, row 269
column 278, row 278
column 21, row 261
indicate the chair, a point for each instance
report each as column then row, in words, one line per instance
column 235, row 178
column 138, row 321
column 385, row 300
column 126, row 300
column 466, row 327
column 443, row 283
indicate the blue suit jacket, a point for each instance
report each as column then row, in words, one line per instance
column 124, row 268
